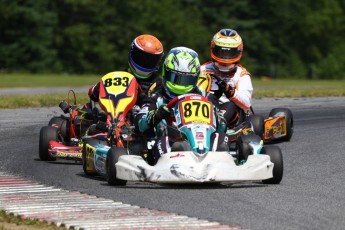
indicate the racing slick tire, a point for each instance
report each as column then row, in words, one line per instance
column 243, row 148
column 112, row 158
column 47, row 133
column 289, row 121
column 276, row 157
column 258, row 124
column 60, row 123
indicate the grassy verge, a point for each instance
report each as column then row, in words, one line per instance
column 44, row 100
column 46, row 80
column 298, row 88
column 12, row 222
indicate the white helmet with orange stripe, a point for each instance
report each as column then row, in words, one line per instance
column 226, row 49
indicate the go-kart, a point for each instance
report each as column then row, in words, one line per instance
column 118, row 94
column 193, row 159
column 62, row 137
column 277, row 127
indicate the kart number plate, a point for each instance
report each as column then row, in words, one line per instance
column 196, row 111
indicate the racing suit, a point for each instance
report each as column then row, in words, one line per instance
column 239, row 79
column 158, row 140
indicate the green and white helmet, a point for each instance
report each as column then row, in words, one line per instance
column 181, row 71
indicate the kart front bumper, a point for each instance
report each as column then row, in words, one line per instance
column 186, row 167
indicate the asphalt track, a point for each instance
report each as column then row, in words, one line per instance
column 310, row 196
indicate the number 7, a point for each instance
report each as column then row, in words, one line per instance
column 197, row 104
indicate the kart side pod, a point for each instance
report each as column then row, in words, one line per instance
column 278, row 125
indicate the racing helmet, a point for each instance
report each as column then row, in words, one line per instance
column 181, row 69
column 145, row 55
column 226, row 49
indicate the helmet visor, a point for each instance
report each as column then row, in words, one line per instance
column 182, row 79
column 225, row 52
column 144, row 59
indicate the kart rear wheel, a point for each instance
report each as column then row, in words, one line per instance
column 47, row 133
column 61, row 123
column 258, row 125
column 112, row 158
column 289, row 121
column 277, row 159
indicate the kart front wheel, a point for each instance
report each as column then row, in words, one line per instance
column 258, row 124
column 277, row 159
column 112, row 158
column 47, row 133
column 243, row 150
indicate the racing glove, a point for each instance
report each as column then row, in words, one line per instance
column 224, row 88
column 157, row 115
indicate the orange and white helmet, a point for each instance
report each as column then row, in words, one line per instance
column 226, row 49
column 145, row 55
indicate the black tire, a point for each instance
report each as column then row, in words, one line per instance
column 61, row 122
column 47, row 133
column 92, row 142
column 258, row 124
column 56, row 121
column 112, row 158
column 242, row 145
column 243, row 150
column 276, row 157
column 289, row 121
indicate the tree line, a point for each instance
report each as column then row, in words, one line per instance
column 282, row 39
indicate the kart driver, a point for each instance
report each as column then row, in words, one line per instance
column 180, row 72
column 229, row 83
column 144, row 58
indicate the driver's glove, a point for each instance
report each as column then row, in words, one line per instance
column 224, row 88
column 157, row 115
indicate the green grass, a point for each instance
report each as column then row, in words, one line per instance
column 46, row 100
column 9, row 221
column 262, row 88
column 298, row 88
column 48, row 80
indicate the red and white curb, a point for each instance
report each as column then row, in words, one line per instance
column 74, row 210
